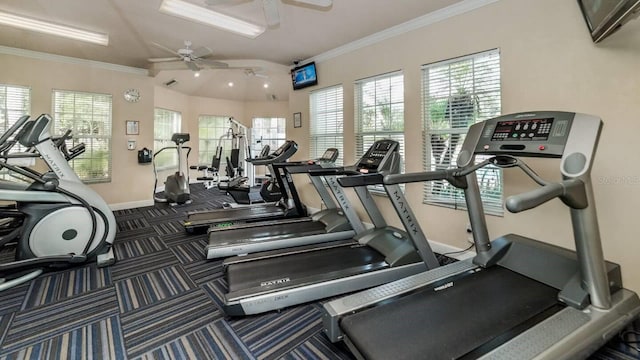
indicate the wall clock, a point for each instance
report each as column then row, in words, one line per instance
column 132, row 95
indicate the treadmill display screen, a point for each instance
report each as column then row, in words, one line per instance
column 523, row 130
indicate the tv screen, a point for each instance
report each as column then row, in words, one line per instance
column 303, row 76
column 604, row 17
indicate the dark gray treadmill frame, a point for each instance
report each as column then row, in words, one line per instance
column 339, row 223
column 277, row 293
column 569, row 333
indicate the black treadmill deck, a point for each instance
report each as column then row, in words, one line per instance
column 452, row 322
column 266, row 232
column 204, row 219
column 282, row 272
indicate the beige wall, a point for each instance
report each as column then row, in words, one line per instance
column 548, row 63
column 131, row 183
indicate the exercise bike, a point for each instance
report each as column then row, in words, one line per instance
column 65, row 222
column 176, row 187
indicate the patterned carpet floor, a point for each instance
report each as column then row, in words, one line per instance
column 162, row 300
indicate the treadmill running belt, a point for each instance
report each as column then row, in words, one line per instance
column 451, row 322
column 266, row 233
column 239, row 213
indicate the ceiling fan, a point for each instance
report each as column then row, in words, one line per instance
column 270, row 7
column 194, row 59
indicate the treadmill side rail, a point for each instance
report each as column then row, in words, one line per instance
column 335, row 309
column 571, row 333
column 294, row 296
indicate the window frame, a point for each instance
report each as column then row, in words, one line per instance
column 273, row 142
column 385, row 108
column 76, row 117
column 326, row 121
column 205, row 156
column 482, row 105
column 166, row 161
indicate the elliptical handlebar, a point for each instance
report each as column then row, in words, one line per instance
column 5, row 144
column 18, row 124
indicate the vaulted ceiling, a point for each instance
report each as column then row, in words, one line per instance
column 134, row 26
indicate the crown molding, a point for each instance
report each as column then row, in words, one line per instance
column 417, row 23
column 71, row 60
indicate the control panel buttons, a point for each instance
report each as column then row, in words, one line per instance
column 541, row 147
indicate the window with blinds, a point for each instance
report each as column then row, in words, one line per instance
column 379, row 110
column 15, row 102
column 326, row 122
column 88, row 115
column 165, row 124
column 267, row 131
column 210, row 129
column 456, row 94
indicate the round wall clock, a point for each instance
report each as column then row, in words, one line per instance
column 132, row 95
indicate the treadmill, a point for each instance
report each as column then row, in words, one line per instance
column 330, row 224
column 276, row 279
column 284, row 208
column 518, row 297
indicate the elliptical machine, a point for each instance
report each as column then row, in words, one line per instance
column 176, row 187
column 64, row 221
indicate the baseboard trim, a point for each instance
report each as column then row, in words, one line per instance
column 131, row 205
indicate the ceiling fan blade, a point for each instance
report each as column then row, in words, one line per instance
column 163, row 59
column 213, row 63
column 192, row 65
column 165, row 48
column 319, row 3
column 201, row 52
column 271, row 14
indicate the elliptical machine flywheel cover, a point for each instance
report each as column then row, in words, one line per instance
column 64, row 231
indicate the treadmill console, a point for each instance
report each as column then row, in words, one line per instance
column 541, row 134
column 379, row 151
column 330, row 155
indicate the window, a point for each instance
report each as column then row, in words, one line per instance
column 326, row 122
column 15, row 102
column 210, row 129
column 267, row 131
column 88, row 115
column 379, row 112
column 166, row 123
column 456, row 94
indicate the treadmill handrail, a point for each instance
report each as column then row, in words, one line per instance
column 455, row 177
column 361, row 180
column 279, row 155
column 334, row 171
column 571, row 192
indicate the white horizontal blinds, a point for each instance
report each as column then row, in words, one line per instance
column 165, row 124
column 210, row 129
column 379, row 107
column 267, row 131
column 15, row 102
column 327, row 123
column 88, row 115
column 456, row 94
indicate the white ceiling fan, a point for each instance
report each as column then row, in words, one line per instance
column 194, row 59
column 270, row 7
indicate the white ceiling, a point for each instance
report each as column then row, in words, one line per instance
column 133, row 25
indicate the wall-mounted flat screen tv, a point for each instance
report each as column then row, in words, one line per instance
column 604, row 17
column 304, row 76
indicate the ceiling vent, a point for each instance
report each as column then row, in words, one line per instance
column 170, row 83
